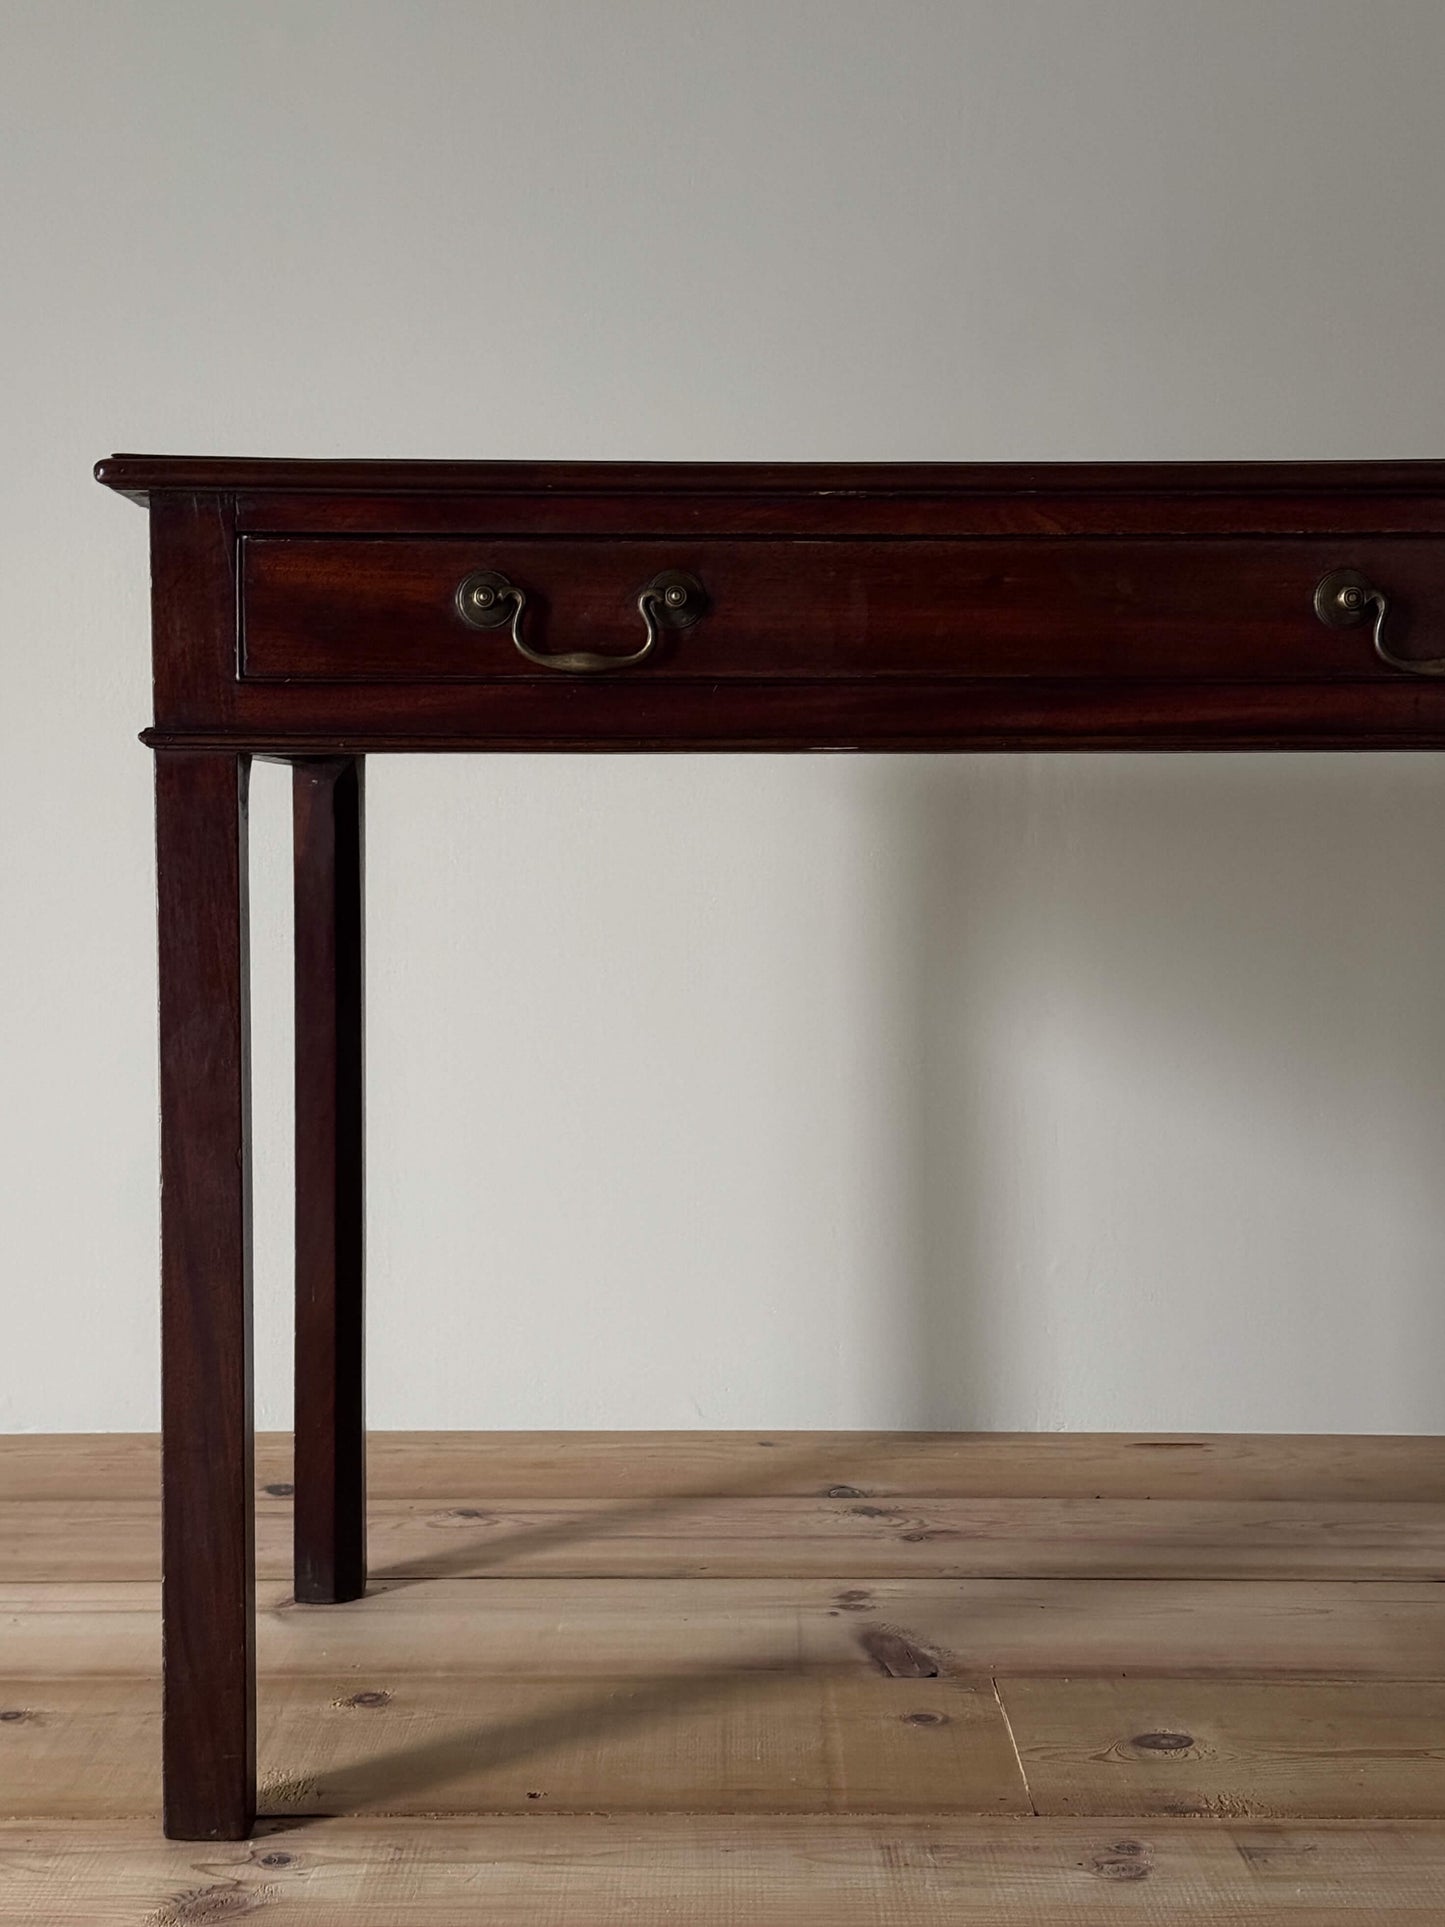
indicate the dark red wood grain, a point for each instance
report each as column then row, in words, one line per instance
column 1122, row 611
column 608, row 714
column 843, row 514
column 330, row 1424
column 193, row 609
column 144, row 475
column 866, row 607
column 208, row 1592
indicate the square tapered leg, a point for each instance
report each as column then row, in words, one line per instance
column 330, row 1476
column 208, row 1590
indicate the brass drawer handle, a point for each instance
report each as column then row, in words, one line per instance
column 673, row 597
column 1344, row 599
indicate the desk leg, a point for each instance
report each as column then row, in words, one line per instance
column 208, row 1591
column 327, row 804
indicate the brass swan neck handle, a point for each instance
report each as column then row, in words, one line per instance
column 1344, row 599
column 483, row 599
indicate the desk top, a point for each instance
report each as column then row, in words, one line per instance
column 140, row 475
column 306, row 607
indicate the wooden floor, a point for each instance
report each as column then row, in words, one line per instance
column 845, row 1680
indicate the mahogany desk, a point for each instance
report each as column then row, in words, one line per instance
column 318, row 612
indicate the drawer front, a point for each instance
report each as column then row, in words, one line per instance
column 346, row 610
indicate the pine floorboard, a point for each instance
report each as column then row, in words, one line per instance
column 750, row 1679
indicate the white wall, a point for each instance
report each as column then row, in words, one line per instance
column 814, row 1092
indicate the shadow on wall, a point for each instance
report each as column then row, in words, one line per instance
column 1169, row 1044
column 1011, row 1092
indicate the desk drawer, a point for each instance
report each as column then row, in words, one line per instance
column 386, row 610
